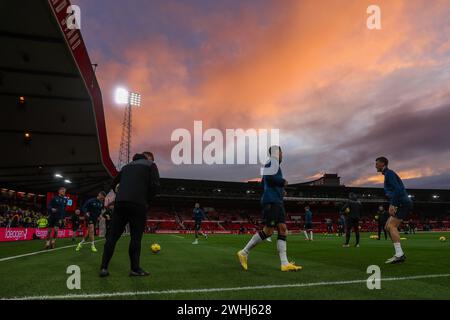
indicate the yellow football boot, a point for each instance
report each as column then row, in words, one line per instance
column 291, row 267
column 242, row 260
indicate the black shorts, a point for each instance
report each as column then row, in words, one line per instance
column 198, row 225
column 92, row 219
column 75, row 226
column 352, row 223
column 404, row 210
column 273, row 214
column 54, row 221
column 308, row 226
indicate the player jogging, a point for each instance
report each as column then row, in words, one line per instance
column 399, row 209
column 199, row 216
column 75, row 218
column 353, row 210
column 92, row 209
column 56, row 213
column 329, row 224
column 308, row 224
column 273, row 213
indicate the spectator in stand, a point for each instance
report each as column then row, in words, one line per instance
column 42, row 222
column 14, row 221
column 27, row 221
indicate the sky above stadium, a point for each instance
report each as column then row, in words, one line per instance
column 340, row 94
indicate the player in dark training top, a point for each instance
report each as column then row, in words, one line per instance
column 400, row 206
column 199, row 216
column 273, row 212
column 56, row 214
column 92, row 209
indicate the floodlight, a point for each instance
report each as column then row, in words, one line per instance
column 122, row 96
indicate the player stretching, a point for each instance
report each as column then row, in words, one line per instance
column 92, row 209
column 56, row 213
column 273, row 213
column 399, row 209
column 308, row 224
column 199, row 216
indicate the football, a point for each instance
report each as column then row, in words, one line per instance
column 442, row 239
column 155, row 248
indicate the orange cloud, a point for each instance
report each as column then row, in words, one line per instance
column 404, row 175
column 254, row 75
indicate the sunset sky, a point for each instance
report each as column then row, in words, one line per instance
column 340, row 94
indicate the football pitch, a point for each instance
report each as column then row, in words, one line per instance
column 210, row 270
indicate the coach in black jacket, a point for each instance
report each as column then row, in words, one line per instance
column 138, row 183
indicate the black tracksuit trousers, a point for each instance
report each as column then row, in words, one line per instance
column 136, row 216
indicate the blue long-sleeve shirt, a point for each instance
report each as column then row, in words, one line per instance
column 59, row 203
column 199, row 214
column 394, row 188
column 273, row 187
column 93, row 206
column 308, row 216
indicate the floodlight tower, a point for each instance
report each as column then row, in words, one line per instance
column 130, row 99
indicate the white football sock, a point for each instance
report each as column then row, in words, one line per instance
column 311, row 233
column 281, row 246
column 398, row 249
column 252, row 243
column 306, row 235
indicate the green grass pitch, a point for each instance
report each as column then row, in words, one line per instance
column 213, row 265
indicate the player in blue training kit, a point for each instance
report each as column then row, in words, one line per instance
column 273, row 212
column 92, row 209
column 199, row 216
column 400, row 206
column 308, row 224
column 56, row 214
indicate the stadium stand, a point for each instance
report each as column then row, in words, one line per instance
column 53, row 79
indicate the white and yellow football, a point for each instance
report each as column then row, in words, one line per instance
column 155, row 248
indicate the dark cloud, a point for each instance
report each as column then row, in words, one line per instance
column 402, row 135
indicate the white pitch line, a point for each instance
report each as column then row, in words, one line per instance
column 180, row 291
column 179, row 237
column 42, row 251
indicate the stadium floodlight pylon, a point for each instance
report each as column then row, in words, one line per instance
column 131, row 99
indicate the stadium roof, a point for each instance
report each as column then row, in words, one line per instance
column 47, row 64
